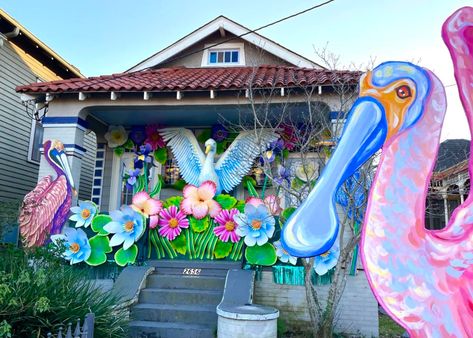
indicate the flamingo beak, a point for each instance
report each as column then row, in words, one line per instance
column 207, row 149
column 60, row 158
column 313, row 227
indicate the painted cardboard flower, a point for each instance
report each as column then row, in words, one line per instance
column 153, row 138
column 327, row 260
column 199, row 201
column 226, row 230
column 274, row 204
column 171, row 222
column 84, row 213
column 288, row 134
column 127, row 226
column 256, row 224
column 142, row 156
column 133, row 174
column 76, row 242
column 219, row 132
column 137, row 134
column 148, row 206
column 283, row 255
column 283, row 175
column 116, row 136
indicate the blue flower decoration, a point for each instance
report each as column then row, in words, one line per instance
column 127, row 227
column 283, row 255
column 84, row 213
column 326, row 261
column 355, row 188
column 77, row 244
column 256, row 225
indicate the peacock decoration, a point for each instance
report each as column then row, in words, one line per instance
column 197, row 167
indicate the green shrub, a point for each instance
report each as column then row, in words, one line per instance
column 38, row 293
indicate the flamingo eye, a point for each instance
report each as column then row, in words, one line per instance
column 403, row 92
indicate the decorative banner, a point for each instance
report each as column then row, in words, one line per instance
column 45, row 209
column 422, row 278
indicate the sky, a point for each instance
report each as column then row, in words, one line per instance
column 109, row 36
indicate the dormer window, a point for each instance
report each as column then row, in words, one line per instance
column 224, row 55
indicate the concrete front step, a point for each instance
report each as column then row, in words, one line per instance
column 149, row 329
column 194, row 268
column 185, row 282
column 180, row 296
column 192, row 314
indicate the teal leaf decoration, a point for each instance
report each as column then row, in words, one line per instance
column 261, row 255
column 199, row 225
column 226, row 201
column 124, row 257
column 161, row 155
column 174, row 200
column 99, row 222
column 100, row 247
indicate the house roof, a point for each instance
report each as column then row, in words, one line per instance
column 194, row 79
column 222, row 22
column 23, row 38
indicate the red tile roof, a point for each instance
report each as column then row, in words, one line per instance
column 172, row 79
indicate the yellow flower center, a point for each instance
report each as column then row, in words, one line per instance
column 230, row 226
column 74, row 247
column 85, row 213
column 116, row 135
column 256, row 224
column 269, row 153
column 173, row 223
column 325, row 254
column 129, row 226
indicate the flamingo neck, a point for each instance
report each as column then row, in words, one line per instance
column 395, row 212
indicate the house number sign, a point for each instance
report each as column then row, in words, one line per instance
column 193, row 272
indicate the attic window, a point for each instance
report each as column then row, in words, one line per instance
column 225, row 55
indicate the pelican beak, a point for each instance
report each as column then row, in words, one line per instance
column 313, row 227
column 207, row 149
column 60, row 158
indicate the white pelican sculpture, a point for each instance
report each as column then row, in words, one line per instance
column 233, row 164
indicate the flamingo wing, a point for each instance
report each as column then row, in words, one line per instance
column 239, row 157
column 39, row 208
column 187, row 152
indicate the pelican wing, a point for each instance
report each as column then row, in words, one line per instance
column 239, row 157
column 187, row 152
column 39, row 208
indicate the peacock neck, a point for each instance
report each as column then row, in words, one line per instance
column 395, row 212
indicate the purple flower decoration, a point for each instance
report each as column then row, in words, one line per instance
column 277, row 146
column 130, row 182
column 219, row 132
column 283, row 175
column 137, row 134
column 142, row 155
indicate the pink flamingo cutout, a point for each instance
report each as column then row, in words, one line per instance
column 422, row 278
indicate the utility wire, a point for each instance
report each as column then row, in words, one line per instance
column 250, row 31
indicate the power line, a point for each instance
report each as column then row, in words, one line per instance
column 251, row 31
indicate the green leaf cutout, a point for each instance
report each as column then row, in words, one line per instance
column 157, row 188
column 180, row 243
column 199, row 225
column 119, row 151
column 221, row 146
column 179, row 184
column 286, row 213
column 128, row 144
column 261, row 255
column 222, row 249
column 99, row 222
column 100, row 247
column 161, row 155
column 226, row 201
column 240, row 205
column 204, row 135
column 297, row 183
column 251, row 189
column 124, row 257
column 174, row 200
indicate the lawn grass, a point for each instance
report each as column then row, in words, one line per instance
column 389, row 328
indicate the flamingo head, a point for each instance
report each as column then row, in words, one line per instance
column 56, row 156
column 210, row 146
column 392, row 98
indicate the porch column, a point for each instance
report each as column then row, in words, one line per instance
column 445, row 207
column 70, row 131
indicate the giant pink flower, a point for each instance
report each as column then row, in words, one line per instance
column 148, row 206
column 199, row 201
column 153, row 138
column 227, row 227
column 171, row 222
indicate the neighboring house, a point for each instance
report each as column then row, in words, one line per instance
column 450, row 183
column 25, row 59
column 191, row 83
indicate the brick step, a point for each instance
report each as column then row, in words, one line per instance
column 142, row 329
column 180, row 296
column 196, row 314
column 185, row 282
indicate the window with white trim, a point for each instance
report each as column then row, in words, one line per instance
column 226, row 54
column 36, row 141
